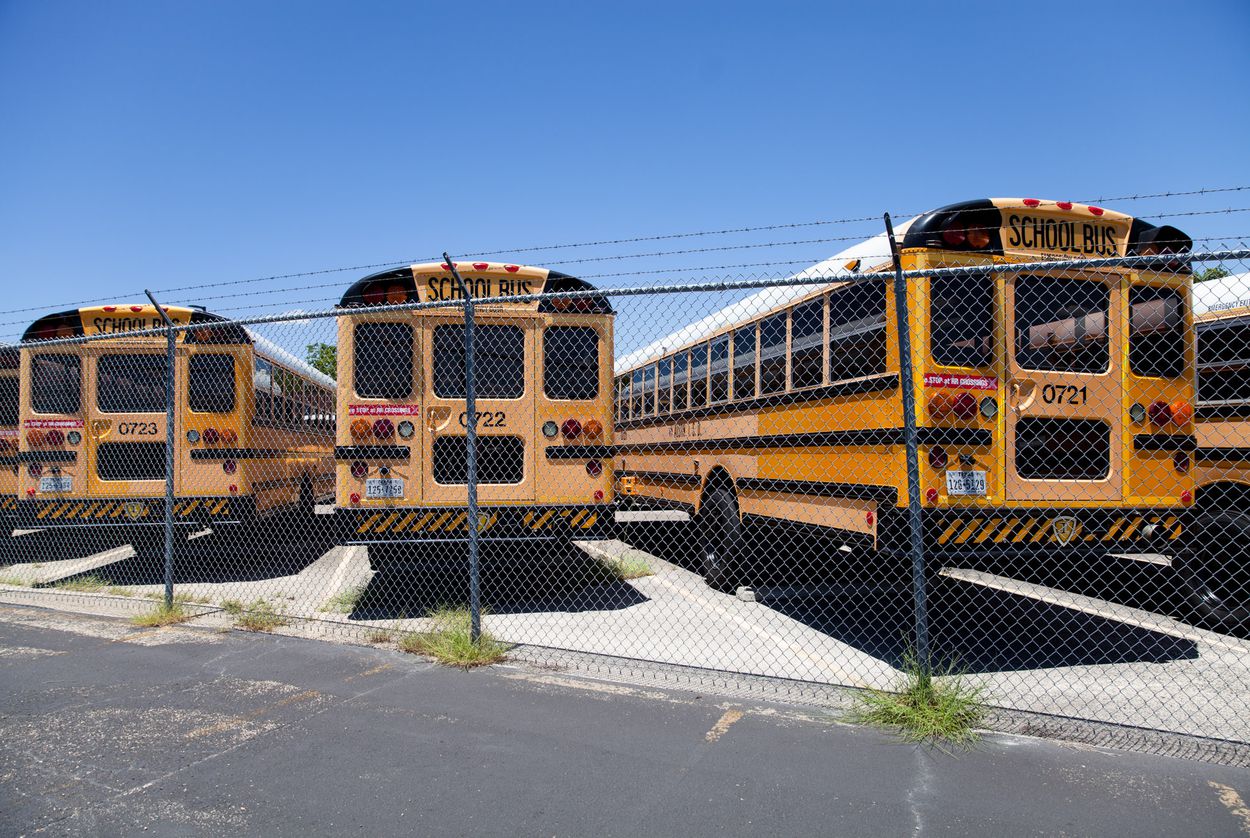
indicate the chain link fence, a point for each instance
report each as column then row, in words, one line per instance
column 1028, row 474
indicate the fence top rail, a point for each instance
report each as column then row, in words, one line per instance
column 806, row 278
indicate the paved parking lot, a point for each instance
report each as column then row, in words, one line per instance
column 1033, row 646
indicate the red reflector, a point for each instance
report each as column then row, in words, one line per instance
column 869, row 518
column 598, row 495
column 931, row 496
column 229, row 466
column 110, row 308
column 30, row 493
column 594, row 468
column 480, row 266
column 1187, row 497
column 1097, row 210
column 1031, row 202
column 512, row 268
column 234, row 490
column 136, row 309
column 1064, row 205
column 355, row 497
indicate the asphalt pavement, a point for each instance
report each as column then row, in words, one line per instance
column 110, row 729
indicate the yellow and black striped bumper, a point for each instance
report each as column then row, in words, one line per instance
column 497, row 523
column 1119, row 529
column 131, row 511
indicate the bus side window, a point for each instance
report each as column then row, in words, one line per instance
column 635, row 395
column 773, row 355
column 744, row 363
column 807, row 352
column 681, row 378
column 648, row 391
column 262, row 381
column 698, row 376
column 1224, row 362
column 857, row 331
column 718, row 384
column 663, row 398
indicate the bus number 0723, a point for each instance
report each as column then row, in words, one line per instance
column 1064, row 394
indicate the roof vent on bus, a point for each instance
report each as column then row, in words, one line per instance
column 386, row 288
column 1164, row 241
column 970, row 227
column 558, row 282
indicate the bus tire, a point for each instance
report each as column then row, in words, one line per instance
column 720, row 540
column 1213, row 572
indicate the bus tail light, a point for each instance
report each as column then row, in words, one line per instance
column 211, row 436
column 940, row 405
column 1181, row 461
column 406, row 429
column 989, row 407
column 354, row 497
column 938, row 458
column 359, row 469
column 978, row 237
column 964, row 407
column 229, row 466
column 361, row 429
column 593, row 429
column 34, row 469
column 55, row 437
column 1187, row 497
column 234, row 489
column 383, row 429
column 598, row 495
column 229, row 436
column 571, row 429
column 954, row 234
column 35, row 438
column 1182, row 412
column 1160, row 412
column 594, row 468
column 550, row 429
column 931, row 495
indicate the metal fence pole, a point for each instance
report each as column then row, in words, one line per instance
column 170, row 341
column 470, row 444
column 907, row 388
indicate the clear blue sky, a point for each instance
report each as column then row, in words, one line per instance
column 173, row 144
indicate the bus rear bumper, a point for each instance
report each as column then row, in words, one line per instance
column 449, row 525
column 1037, row 533
column 215, row 511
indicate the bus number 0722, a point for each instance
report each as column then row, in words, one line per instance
column 486, row 418
column 1064, row 394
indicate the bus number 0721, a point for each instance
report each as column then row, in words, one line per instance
column 1064, row 394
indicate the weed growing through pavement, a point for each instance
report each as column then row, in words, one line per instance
column 631, row 566
column 232, row 607
column 927, row 706
column 162, row 615
column 379, row 636
column 448, row 641
column 12, row 579
column 84, row 584
column 344, row 602
column 259, row 616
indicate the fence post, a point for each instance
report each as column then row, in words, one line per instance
column 907, row 388
column 470, row 445
column 170, row 341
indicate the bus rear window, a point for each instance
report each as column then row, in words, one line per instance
column 210, row 384
column 499, row 362
column 56, row 383
column 1156, row 338
column 130, row 383
column 8, row 401
column 961, row 320
column 382, row 367
column 571, row 362
column 1061, row 324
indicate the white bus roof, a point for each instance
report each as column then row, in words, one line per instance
column 1223, row 294
column 274, row 352
column 870, row 252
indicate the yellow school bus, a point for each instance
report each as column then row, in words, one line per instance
column 253, row 424
column 8, row 439
column 1054, row 407
column 543, row 386
column 1218, row 575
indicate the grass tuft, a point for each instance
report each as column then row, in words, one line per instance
column 379, row 636
column 90, row 583
column 259, row 616
column 344, row 602
column 448, row 641
column 631, row 566
column 232, row 607
column 12, row 578
column 162, row 616
column 927, row 706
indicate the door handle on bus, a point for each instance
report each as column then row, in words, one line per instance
column 1020, row 394
column 437, row 418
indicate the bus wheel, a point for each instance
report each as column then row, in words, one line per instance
column 1214, row 574
column 720, row 540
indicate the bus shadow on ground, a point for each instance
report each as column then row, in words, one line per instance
column 530, row 579
column 232, row 555
column 51, row 545
column 972, row 629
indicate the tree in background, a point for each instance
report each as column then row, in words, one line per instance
column 323, row 357
column 1210, row 273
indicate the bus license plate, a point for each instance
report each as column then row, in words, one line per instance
column 965, row 483
column 384, row 487
column 56, row 484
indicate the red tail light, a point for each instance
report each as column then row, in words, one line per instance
column 1160, row 412
column 34, row 469
column 965, row 407
column 211, row 436
column 384, row 429
column 1181, row 461
column 594, row 468
column 354, row 497
column 359, row 469
column 55, row 437
column 598, row 495
column 937, row 457
column 229, row 466
column 931, row 495
column 571, row 429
